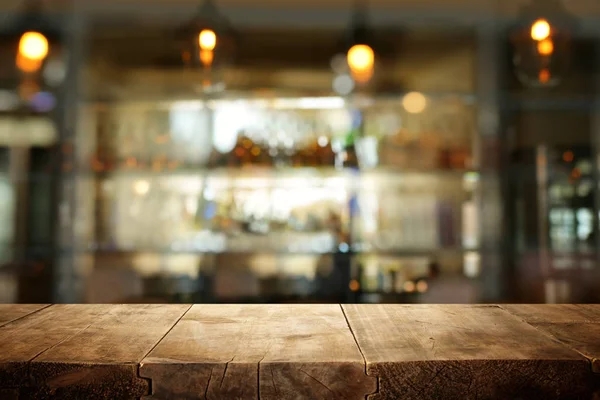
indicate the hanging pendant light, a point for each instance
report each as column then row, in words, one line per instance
column 542, row 43
column 360, row 55
column 35, row 61
column 207, row 44
column 38, row 56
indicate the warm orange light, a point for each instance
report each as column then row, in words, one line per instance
column 568, row 156
column 361, row 58
column 363, row 76
column 545, row 47
column 34, row 46
column 540, row 30
column 28, row 65
column 207, row 39
column 354, row 285
column 544, row 76
column 207, row 57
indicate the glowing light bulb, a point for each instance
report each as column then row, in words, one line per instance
column 414, row 102
column 33, row 46
column 207, row 39
column 361, row 58
column 540, row 30
column 545, row 47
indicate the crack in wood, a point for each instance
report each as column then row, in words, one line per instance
column 318, row 381
column 168, row 331
column 593, row 361
column 225, row 372
column 258, row 372
column 25, row 316
column 207, row 385
column 61, row 341
column 361, row 353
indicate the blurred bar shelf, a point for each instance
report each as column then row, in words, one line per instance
column 276, row 172
column 274, row 192
column 399, row 252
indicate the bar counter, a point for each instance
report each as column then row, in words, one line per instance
column 327, row 351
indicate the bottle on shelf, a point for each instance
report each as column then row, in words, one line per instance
column 346, row 156
column 324, row 151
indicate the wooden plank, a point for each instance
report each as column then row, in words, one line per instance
column 577, row 326
column 584, row 338
column 101, row 361
column 13, row 312
column 26, row 338
column 259, row 351
column 461, row 352
column 555, row 313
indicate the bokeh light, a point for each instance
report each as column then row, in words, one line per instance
column 361, row 57
column 34, row 46
column 545, row 47
column 207, row 39
column 540, row 30
column 414, row 102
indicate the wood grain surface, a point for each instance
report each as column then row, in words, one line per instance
column 259, row 351
column 576, row 326
column 555, row 313
column 26, row 338
column 102, row 360
column 12, row 312
column 462, row 352
column 306, row 351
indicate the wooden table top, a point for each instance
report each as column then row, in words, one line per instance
column 307, row 351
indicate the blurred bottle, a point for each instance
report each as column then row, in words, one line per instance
column 324, row 151
column 241, row 154
column 346, row 156
column 309, row 154
column 460, row 158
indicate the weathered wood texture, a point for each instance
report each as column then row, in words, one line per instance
column 555, row 313
column 24, row 339
column 576, row 326
column 13, row 312
column 299, row 352
column 464, row 352
column 83, row 352
column 259, row 351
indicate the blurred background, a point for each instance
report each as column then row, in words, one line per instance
column 439, row 151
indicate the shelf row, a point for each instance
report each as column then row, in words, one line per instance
column 258, row 172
